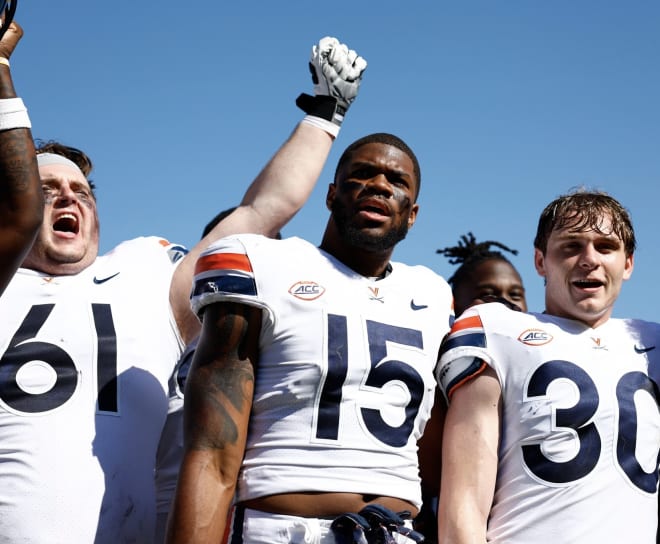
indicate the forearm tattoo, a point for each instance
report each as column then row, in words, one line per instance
column 16, row 161
column 221, row 386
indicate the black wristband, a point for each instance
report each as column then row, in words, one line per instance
column 325, row 107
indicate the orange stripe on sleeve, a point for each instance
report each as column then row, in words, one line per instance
column 217, row 261
column 467, row 323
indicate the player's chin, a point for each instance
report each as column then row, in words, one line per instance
column 81, row 252
column 590, row 309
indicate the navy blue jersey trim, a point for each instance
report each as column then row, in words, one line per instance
column 236, row 285
column 475, row 339
column 236, row 531
column 475, row 367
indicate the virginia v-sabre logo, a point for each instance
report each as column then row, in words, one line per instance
column 374, row 294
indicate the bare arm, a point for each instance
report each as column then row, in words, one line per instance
column 21, row 197
column 430, row 447
column 219, row 393
column 286, row 182
column 469, row 460
column 430, row 459
column 273, row 198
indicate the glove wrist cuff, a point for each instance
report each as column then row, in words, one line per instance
column 325, row 107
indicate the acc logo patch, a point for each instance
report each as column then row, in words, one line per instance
column 306, row 290
column 535, row 337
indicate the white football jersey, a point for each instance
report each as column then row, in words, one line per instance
column 84, row 365
column 344, row 384
column 580, row 432
column 170, row 449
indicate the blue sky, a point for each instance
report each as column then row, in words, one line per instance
column 506, row 103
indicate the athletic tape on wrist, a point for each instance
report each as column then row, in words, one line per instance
column 13, row 114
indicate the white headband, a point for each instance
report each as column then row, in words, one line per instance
column 44, row 159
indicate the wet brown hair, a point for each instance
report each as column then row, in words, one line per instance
column 582, row 210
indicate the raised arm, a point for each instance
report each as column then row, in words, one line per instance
column 21, row 197
column 219, row 392
column 287, row 180
column 469, row 460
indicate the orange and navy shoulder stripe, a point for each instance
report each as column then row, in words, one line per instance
column 224, row 272
column 467, row 331
column 223, row 261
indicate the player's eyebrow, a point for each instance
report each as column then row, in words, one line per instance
column 388, row 171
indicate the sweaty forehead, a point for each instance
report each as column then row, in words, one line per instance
column 579, row 225
column 387, row 158
column 385, row 155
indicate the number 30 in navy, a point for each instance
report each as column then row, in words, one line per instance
column 578, row 418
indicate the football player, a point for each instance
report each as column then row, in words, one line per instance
column 313, row 377
column 552, row 432
column 170, row 447
column 484, row 275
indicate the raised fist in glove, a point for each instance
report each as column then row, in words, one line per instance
column 336, row 70
column 336, row 74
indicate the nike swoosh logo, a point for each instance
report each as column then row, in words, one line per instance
column 99, row 281
column 639, row 349
column 416, row 307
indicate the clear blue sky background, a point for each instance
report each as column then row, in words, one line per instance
column 507, row 104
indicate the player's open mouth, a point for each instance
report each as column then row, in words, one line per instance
column 374, row 208
column 66, row 223
column 588, row 284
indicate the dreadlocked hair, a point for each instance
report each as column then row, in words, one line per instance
column 469, row 253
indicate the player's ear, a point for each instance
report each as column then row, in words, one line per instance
column 330, row 196
column 413, row 215
column 628, row 267
column 539, row 262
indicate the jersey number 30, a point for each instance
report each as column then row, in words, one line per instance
column 578, row 418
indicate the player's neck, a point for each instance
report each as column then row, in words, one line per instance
column 369, row 264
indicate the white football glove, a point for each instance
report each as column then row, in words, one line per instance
column 336, row 74
column 336, row 70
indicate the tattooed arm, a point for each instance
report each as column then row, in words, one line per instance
column 218, row 395
column 21, row 198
